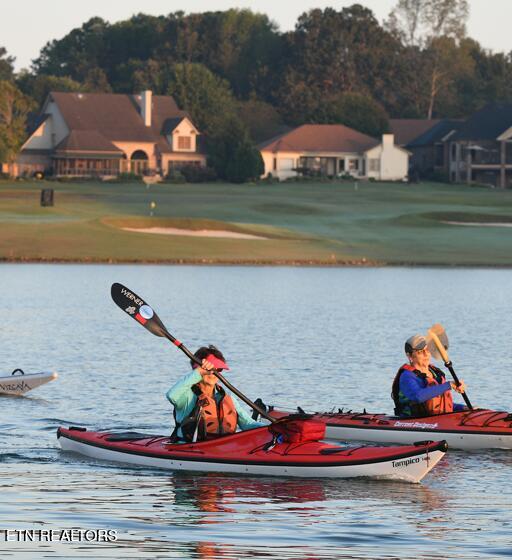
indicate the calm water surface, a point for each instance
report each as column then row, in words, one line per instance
column 320, row 338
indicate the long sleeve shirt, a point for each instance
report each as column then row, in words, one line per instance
column 417, row 389
column 184, row 400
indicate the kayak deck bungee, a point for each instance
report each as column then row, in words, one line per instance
column 468, row 429
column 255, row 452
column 18, row 383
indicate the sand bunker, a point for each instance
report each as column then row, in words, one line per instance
column 480, row 224
column 196, row 233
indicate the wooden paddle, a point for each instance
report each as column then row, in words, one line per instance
column 138, row 309
column 435, row 333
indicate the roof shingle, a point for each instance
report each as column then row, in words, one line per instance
column 486, row 124
column 321, row 138
column 116, row 117
column 407, row 130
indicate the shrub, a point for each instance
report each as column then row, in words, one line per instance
column 175, row 176
column 232, row 154
column 195, row 174
column 128, row 178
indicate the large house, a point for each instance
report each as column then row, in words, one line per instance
column 481, row 148
column 333, row 150
column 105, row 134
column 427, row 141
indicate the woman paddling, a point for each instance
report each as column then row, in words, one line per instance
column 421, row 389
column 202, row 409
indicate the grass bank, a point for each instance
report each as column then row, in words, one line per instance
column 303, row 223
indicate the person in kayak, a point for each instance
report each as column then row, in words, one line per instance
column 202, row 409
column 421, row 389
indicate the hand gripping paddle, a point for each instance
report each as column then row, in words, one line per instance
column 144, row 314
column 438, row 336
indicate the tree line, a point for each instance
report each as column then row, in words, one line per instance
column 243, row 80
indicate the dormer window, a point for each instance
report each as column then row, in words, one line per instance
column 184, row 143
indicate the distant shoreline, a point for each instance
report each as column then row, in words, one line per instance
column 259, row 263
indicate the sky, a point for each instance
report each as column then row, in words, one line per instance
column 27, row 25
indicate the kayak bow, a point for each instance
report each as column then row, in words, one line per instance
column 19, row 382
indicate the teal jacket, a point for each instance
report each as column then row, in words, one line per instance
column 184, row 400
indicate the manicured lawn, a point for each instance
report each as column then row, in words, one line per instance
column 304, row 222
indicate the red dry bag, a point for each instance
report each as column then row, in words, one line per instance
column 296, row 430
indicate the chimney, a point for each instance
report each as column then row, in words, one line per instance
column 145, row 106
column 388, row 140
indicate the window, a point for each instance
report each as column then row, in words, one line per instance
column 353, row 164
column 374, row 164
column 286, row 164
column 184, row 143
column 179, row 164
column 341, row 165
column 274, row 165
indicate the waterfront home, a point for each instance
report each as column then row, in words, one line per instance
column 333, row 150
column 481, row 149
column 105, row 134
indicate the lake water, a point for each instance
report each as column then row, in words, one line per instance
column 317, row 337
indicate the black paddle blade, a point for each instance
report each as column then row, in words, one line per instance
column 138, row 309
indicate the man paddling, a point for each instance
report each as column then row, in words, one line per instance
column 202, row 409
column 421, row 389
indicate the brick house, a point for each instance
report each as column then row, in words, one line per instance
column 427, row 141
column 481, row 149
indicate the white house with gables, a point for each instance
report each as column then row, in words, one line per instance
column 334, row 150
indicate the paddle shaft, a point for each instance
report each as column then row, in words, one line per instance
column 221, row 378
column 456, row 379
column 449, row 365
column 134, row 306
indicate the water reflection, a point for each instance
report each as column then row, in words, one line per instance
column 293, row 336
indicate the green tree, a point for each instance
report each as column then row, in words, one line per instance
column 75, row 54
column 14, row 108
column 432, row 29
column 206, row 97
column 261, row 119
column 361, row 113
column 146, row 74
column 240, row 46
column 96, row 81
column 447, row 63
column 232, row 154
column 6, row 65
column 489, row 80
column 338, row 52
column 38, row 87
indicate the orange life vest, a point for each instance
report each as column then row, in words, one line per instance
column 214, row 418
column 437, row 405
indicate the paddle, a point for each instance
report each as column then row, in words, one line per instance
column 144, row 314
column 436, row 333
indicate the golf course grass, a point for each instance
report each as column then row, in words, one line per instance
column 336, row 223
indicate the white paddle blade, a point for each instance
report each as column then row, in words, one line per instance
column 440, row 332
column 438, row 345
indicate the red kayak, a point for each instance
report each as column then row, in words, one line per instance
column 469, row 429
column 257, row 452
